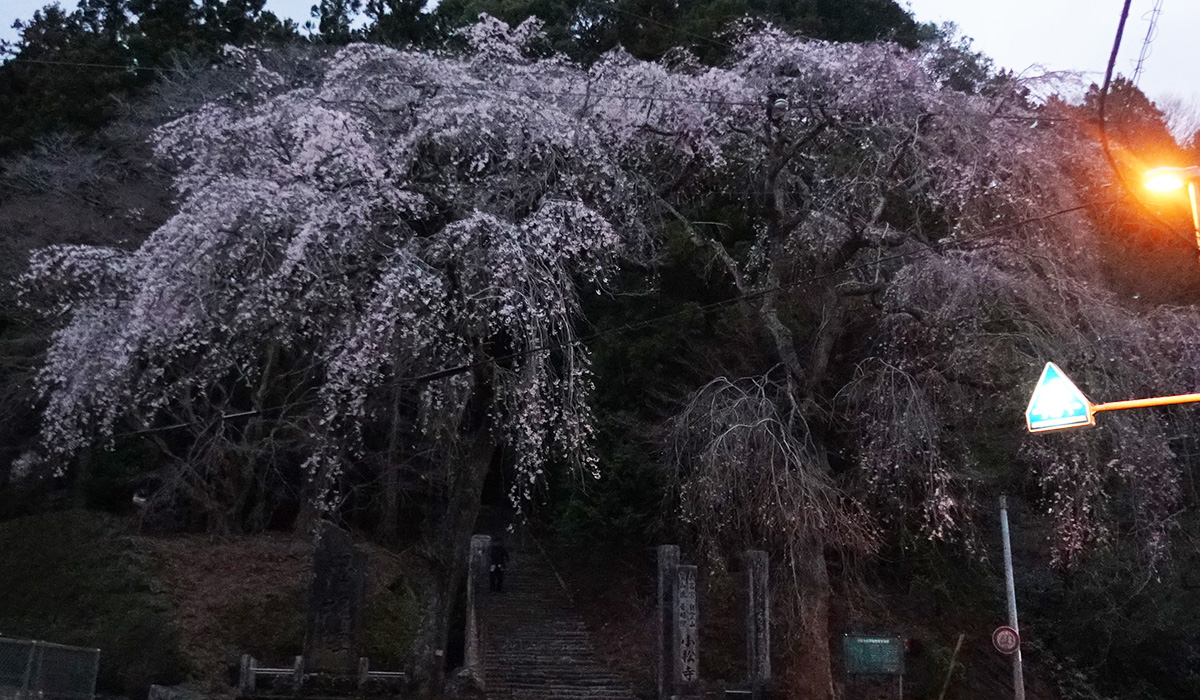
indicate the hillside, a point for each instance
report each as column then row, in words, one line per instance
column 169, row 609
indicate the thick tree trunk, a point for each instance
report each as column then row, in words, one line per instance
column 451, row 544
column 812, row 675
column 813, row 667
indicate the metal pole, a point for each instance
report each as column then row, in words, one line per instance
column 1146, row 403
column 1018, row 675
column 1194, row 196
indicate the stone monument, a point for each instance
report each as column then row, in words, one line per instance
column 331, row 641
column 758, row 622
column 687, row 631
column 668, row 561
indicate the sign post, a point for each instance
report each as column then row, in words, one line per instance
column 874, row 655
column 1058, row 404
column 1014, row 640
column 1006, row 640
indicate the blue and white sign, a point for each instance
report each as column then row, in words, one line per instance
column 1057, row 403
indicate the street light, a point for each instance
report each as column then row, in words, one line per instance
column 1166, row 179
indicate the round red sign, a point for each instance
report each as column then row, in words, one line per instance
column 1006, row 640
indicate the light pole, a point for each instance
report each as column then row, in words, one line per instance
column 1167, row 178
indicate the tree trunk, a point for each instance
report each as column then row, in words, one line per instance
column 451, row 544
column 813, row 666
column 812, row 672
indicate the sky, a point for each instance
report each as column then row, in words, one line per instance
column 1077, row 35
column 1024, row 35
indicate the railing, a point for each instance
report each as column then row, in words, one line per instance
column 31, row 670
column 251, row 676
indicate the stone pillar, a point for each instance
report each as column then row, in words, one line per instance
column 247, row 676
column 668, row 561
column 477, row 583
column 687, row 631
column 364, row 671
column 335, row 602
column 297, row 673
column 758, row 622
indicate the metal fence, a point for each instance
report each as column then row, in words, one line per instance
column 32, row 670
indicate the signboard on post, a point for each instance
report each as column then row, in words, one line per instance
column 1006, row 640
column 1057, row 403
column 873, row 655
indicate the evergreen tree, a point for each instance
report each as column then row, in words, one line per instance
column 69, row 71
column 399, row 22
column 334, row 20
column 53, row 82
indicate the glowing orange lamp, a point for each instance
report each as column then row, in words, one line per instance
column 1167, row 179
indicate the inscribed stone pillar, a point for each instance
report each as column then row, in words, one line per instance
column 687, row 633
column 758, row 621
column 335, row 602
column 668, row 561
column 477, row 583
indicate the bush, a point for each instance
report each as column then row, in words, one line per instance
column 75, row 577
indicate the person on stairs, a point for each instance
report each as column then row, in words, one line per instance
column 498, row 557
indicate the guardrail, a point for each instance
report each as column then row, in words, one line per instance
column 295, row 677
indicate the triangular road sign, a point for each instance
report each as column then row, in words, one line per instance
column 1057, row 403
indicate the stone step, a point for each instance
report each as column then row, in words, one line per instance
column 535, row 644
column 558, row 677
column 561, row 692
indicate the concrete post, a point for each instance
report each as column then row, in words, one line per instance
column 758, row 622
column 668, row 561
column 364, row 670
column 297, row 673
column 247, row 675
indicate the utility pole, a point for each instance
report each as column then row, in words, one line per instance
column 1018, row 674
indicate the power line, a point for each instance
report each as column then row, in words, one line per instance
column 646, row 323
column 1151, row 34
column 84, row 65
column 675, row 28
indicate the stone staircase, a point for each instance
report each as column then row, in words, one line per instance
column 535, row 645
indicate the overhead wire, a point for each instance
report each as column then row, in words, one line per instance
column 81, row 64
column 675, row 28
column 1151, row 35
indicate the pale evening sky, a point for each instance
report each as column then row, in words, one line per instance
column 1018, row 34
